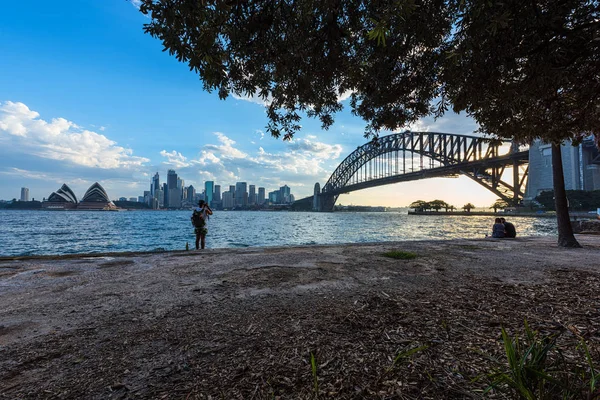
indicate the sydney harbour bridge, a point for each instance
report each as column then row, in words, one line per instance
column 411, row 156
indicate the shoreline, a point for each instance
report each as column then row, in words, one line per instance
column 245, row 322
column 217, row 250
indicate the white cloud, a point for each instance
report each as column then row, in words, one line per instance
column 60, row 139
column 175, row 158
column 226, row 148
column 300, row 164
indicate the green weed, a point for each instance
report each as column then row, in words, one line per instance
column 400, row 255
column 535, row 369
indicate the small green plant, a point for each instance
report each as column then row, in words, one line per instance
column 400, row 255
column 406, row 354
column 187, row 246
column 313, row 364
column 535, row 369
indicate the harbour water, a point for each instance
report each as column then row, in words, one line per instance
column 65, row 232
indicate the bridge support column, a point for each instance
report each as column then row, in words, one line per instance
column 326, row 202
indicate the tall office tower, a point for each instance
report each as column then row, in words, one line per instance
column 191, row 194
column 147, row 197
column 174, row 192
column 232, row 190
column 274, row 197
column 165, row 189
column 209, row 188
column 228, row 200
column 581, row 166
column 217, row 193
column 140, row 199
column 252, row 195
column 155, row 185
column 241, row 194
column 24, row 194
column 160, row 196
column 284, row 192
column 261, row 196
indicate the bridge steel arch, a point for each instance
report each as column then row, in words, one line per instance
column 384, row 161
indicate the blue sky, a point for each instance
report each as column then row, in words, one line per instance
column 86, row 96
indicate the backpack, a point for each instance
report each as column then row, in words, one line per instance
column 197, row 218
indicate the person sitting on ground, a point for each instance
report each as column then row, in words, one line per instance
column 199, row 218
column 498, row 229
column 509, row 229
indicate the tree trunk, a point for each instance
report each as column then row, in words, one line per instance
column 565, row 230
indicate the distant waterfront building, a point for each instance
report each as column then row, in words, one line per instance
column 133, row 199
column 95, row 198
column 284, row 195
column 160, row 198
column 217, row 193
column 190, row 194
column 165, row 189
column 261, row 196
column 24, row 194
column 174, row 195
column 62, row 199
column 147, row 197
column 155, row 189
column 241, row 194
column 209, row 188
column 155, row 184
column 140, row 199
column 273, row 196
column 122, row 198
column 581, row 165
column 227, row 200
column 252, row 195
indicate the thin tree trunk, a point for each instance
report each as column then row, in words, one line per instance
column 565, row 230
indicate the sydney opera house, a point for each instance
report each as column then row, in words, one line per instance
column 95, row 198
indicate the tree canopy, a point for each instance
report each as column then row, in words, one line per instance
column 523, row 70
column 303, row 55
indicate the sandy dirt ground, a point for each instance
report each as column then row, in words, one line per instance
column 244, row 323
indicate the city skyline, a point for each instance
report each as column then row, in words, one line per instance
column 88, row 118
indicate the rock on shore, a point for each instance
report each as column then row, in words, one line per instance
column 245, row 323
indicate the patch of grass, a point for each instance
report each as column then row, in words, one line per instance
column 536, row 369
column 400, row 255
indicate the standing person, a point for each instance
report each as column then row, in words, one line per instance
column 199, row 218
column 498, row 229
column 509, row 229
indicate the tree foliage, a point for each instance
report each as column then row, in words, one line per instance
column 527, row 70
column 438, row 204
column 499, row 204
column 580, row 200
column 419, row 205
column 468, row 207
column 300, row 56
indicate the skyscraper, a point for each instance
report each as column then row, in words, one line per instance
column 165, row 194
column 217, row 193
column 209, row 187
column 261, row 196
column 174, row 191
column 284, row 193
column 190, row 194
column 155, row 187
column 241, row 194
column 252, row 195
column 24, row 194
